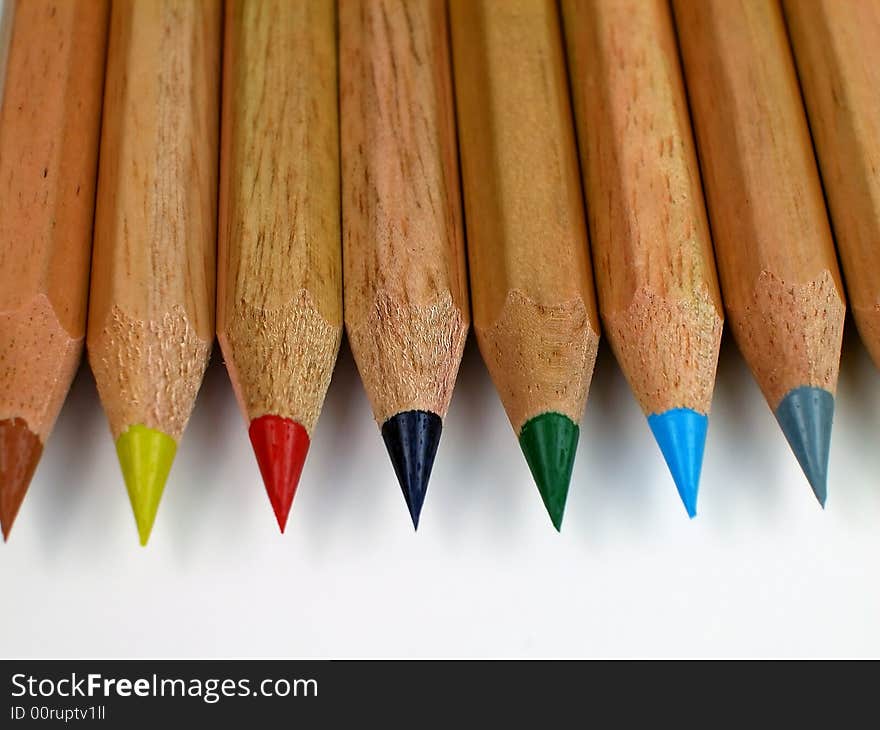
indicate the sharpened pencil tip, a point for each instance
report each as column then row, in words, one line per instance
column 280, row 445
column 145, row 456
column 549, row 442
column 20, row 451
column 681, row 435
column 805, row 415
column 411, row 438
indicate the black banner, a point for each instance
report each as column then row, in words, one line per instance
column 166, row 694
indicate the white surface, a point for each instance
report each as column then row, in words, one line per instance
column 761, row 571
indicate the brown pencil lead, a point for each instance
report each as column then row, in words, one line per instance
column 20, row 450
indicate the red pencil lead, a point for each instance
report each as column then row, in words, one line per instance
column 280, row 446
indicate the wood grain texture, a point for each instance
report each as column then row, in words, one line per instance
column 531, row 282
column 6, row 13
column 652, row 254
column 837, row 48
column 151, row 315
column 773, row 246
column 50, row 117
column 406, row 301
column 279, row 286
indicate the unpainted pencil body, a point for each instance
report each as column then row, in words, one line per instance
column 837, row 48
column 652, row 255
column 50, row 112
column 776, row 259
column 151, row 315
column 406, row 303
column 6, row 14
column 531, row 283
column 279, row 286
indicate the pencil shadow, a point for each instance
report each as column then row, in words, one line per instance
column 857, row 423
column 741, row 428
column 468, row 485
column 612, row 485
column 200, row 498
column 65, row 485
column 331, row 504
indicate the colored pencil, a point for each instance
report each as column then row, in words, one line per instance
column 151, row 313
column 406, row 302
column 782, row 290
column 279, row 278
column 837, row 49
column 531, row 283
column 50, row 114
column 652, row 254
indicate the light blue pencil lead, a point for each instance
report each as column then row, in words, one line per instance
column 681, row 435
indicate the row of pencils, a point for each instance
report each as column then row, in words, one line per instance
column 273, row 171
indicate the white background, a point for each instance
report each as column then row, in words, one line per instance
column 761, row 571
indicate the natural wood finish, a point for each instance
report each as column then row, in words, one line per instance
column 151, row 316
column 406, row 303
column 837, row 48
column 776, row 259
column 6, row 12
column 531, row 283
column 652, row 254
column 50, row 114
column 279, row 278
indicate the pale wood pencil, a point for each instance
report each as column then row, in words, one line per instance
column 151, row 315
column 279, row 278
column 51, row 81
column 531, row 283
column 406, row 302
column 652, row 254
column 776, row 260
column 837, row 48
